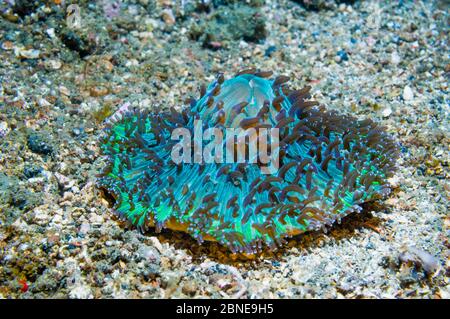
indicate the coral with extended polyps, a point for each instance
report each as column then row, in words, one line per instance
column 329, row 165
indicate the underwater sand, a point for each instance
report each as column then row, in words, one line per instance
column 373, row 59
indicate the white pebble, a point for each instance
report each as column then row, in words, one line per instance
column 386, row 112
column 26, row 54
column 408, row 94
column 95, row 219
column 81, row 292
column 395, row 58
column 156, row 243
column 84, row 228
column 54, row 64
column 4, row 129
column 50, row 32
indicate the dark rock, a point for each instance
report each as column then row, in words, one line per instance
column 60, row 104
column 103, row 267
column 252, row 3
column 342, row 55
column 72, row 41
column 31, row 171
column 229, row 24
column 37, row 143
column 322, row 4
column 49, row 281
column 24, row 7
column 17, row 197
column 270, row 50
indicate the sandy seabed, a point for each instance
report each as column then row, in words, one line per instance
column 373, row 59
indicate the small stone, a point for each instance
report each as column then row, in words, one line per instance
column 84, row 228
column 67, row 196
column 107, row 65
column 345, row 288
column 64, row 91
column 37, row 144
column 76, row 131
column 7, row 45
column 386, row 112
column 445, row 292
column 341, row 55
column 75, row 43
column 407, row 278
column 10, row 16
column 408, row 94
column 63, row 168
column 98, row 91
column 81, row 292
column 50, row 32
column 26, row 54
column 394, row 182
column 391, row 201
column 95, row 219
column 40, row 215
column 189, row 288
column 149, row 254
column 223, row 284
column 156, row 243
column 371, row 41
column 170, row 279
column 270, row 51
column 63, row 181
column 395, row 58
column 43, row 102
column 131, row 62
column 168, row 17
column 4, row 129
column 31, row 171
column 447, row 67
column 53, row 64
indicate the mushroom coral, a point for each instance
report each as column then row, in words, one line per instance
column 329, row 164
